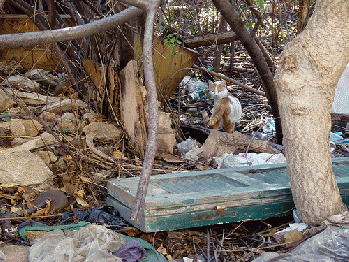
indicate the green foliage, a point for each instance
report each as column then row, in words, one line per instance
column 6, row 119
column 249, row 24
column 259, row 3
column 64, row 130
column 171, row 40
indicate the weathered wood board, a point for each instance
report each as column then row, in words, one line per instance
column 200, row 198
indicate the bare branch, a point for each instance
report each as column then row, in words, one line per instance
column 69, row 33
column 153, row 110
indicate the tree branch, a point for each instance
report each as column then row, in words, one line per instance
column 69, row 33
column 153, row 110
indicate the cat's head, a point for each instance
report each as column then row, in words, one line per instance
column 218, row 89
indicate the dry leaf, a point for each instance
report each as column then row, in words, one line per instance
column 43, row 211
column 117, row 154
column 81, row 202
column 162, row 250
column 171, row 158
column 85, row 179
column 131, row 231
column 21, row 189
column 80, row 193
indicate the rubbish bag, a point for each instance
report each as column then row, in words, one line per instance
column 331, row 245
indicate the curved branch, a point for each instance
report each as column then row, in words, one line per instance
column 69, row 33
column 153, row 110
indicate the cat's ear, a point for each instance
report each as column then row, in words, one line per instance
column 210, row 83
column 224, row 82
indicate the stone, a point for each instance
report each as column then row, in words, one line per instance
column 58, row 199
column 68, row 122
column 43, row 77
column 20, row 127
column 45, row 139
column 22, row 168
column 6, row 102
column 66, row 105
column 15, row 253
column 47, row 156
column 48, row 117
column 22, row 82
column 102, row 131
column 33, row 99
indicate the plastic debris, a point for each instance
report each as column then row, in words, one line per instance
column 189, row 149
column 269, row 128
column 197, row 89
column 337, row 138
column 99, row 215
column 249, row 159
column 341, row 99
column 331, row 245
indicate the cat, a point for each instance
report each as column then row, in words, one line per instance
column 227, row 108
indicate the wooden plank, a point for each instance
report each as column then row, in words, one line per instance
column 204, row 218
column 191, row 199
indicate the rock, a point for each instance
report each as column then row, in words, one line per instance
column 22, row 168
column 34, row 99
column 43, row 77
column 17, row 127
column 15, row 253
column 102, row 131
column 91, row 117
column 5, row 139
column 66, row 105
column 59, row 166
column 45, row 139
column 22, row 82
column 5, row 125
column 17, row 141
column 28, row 127
column 58, row 199
column 68, row 122
column 48, row 117
column 47, row 156
column 219, row 143
column 6, row 102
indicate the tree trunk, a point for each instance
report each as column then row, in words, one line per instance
column 308, row 72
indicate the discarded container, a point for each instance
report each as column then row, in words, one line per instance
column 200, row 198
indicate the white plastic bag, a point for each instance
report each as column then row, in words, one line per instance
column 341, row 100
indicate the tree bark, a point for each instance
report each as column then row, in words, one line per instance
column 308, row 72
column 235, row 21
